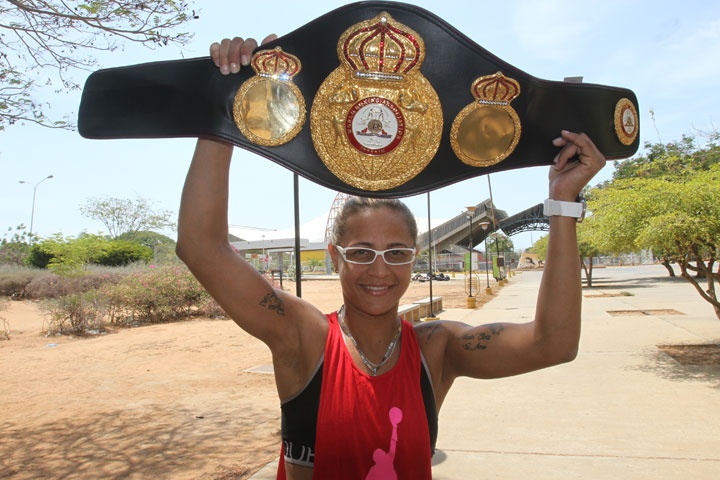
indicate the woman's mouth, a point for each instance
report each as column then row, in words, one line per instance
column 376, row 289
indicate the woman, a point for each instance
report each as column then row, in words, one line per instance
column 360, row 389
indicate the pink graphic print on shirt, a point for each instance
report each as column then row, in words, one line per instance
column 384, row 468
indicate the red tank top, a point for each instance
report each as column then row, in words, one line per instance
column 371, row 428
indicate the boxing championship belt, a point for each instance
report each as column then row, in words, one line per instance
column 380, row 99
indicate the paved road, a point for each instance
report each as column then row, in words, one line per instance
column 621, row 410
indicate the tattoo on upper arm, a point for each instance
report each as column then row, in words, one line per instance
column 428, row 330
column 480, row 340
column 272, row 302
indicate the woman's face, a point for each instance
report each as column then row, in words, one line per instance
column 375, row 288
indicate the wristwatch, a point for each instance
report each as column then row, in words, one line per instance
column 565, row 209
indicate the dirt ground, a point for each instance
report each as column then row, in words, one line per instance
column 703, row 354
column 170, row 401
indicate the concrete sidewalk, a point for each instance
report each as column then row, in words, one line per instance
column 621, row 410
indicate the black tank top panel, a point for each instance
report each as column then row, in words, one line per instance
column 299, row 418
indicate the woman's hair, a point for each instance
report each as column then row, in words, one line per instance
column 355, row 205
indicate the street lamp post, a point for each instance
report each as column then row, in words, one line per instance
column 488, row 290
column 470, row 303
column 32, row 211
column 494, row 222
column 430, row 266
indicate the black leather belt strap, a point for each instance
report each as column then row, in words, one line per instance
column 190, row 98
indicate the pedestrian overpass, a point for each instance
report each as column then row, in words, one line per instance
column 457, row 230
column 461, row 231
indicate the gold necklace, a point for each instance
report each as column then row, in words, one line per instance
column 371, row 366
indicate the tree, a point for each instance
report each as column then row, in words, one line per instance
column 676, row 215
column 58, row 37
column 15, row 249
column 620, row 210
column 149, row 239
column 163, row 247
column 121, row 216
column 587, row 249
column 119, row 253
column 71, row 256
column 539, row 248
column 66, row 256
column 688, row 233
column 499, row 242
column 672, row 161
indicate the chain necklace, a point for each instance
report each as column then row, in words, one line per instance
column 371, row 366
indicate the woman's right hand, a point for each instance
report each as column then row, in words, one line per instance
column 230, row 55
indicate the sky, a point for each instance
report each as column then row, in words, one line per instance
column 668, row 53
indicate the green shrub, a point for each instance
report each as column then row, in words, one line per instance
column 128, row 296
column 163, row 247
column 39, row 256
column 76, row 314
column 72, row 256
column 155, row 295
column 119, row 253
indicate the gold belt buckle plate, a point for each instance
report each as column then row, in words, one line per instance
column 269, row 108
column 376, row 121
column 485, row 132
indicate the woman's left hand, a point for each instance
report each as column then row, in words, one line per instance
column 574, row 166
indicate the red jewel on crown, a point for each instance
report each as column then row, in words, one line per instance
column 381, row 49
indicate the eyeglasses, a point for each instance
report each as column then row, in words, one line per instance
column 366, row 256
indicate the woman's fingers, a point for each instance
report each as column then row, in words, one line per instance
column 230, row 55
column 269, row 38
column 575, row 165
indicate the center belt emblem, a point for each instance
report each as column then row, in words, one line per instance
column 376, row 121
column 375, row 126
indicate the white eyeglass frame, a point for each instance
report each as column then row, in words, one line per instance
column 381, row 253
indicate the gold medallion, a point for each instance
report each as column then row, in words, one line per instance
column 269, row 108
column 488, row 130
column 376, row 121
column 626, row 121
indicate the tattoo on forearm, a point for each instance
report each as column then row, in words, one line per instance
column 480, row 340
column 272, row 302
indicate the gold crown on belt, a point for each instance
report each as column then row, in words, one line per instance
column 276, row 64
column 495, row 89
column 381, row 49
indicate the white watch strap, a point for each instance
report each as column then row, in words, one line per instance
column 563, row 209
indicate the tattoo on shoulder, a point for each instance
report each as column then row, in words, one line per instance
column 272, row 302
column 480, row 340
column 427, row 330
